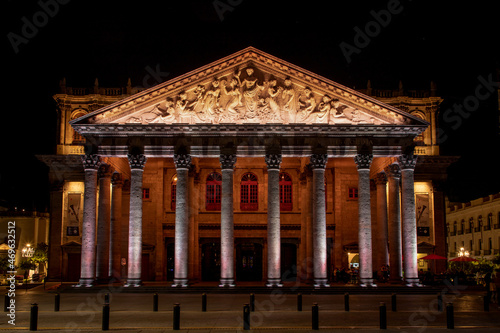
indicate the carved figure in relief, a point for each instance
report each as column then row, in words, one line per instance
column 273, row 92
column 307, row 104
column 211, row 106
column 322, row 114
column 234, row 94
column 288, row 96
column 165, row 116
column 250, row 91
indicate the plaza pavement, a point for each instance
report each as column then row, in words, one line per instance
column 133, row 312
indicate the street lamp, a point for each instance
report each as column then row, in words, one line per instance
column 463, row 252
column 28, row 251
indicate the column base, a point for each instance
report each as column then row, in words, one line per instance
column 367, row 283
column 180, row 283
column 226, row 283
column 274, row 283
column 413, row 282
column 133, row 283
column 85, row 282
column 319, row 283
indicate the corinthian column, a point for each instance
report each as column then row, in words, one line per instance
column 318, row 164
column 103, row 220
column 182, row 165
column 115, row 226
column 363, row 162
column 407, row 164
column 273, row 162
column 137, row 163
column 394, row 224
column 91, row 164
column 381, row 249
column 227, row 163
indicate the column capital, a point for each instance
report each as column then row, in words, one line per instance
column 182, row 161
column 318, row 161
column 91, row 161
column 227, row 161
column 273, row 161
column 381, row 178
column 407, row 161
column 104, row 171
column 363, row 161
column 137, row 161
column 393, row 171
column 116, row 179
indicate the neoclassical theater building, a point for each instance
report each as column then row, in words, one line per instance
column 247, row 169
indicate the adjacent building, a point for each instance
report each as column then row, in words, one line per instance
column 247, row 169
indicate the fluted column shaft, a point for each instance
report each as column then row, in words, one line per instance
column 320, row 269
column 394, row 224
column 91, row 164
column 273, row 162
column 363, row 162
column 382, row 249
column 181, row 251
column 407, row 164
column 227, row 221
column 115, row 226
column 103, row 224
column 137, row 163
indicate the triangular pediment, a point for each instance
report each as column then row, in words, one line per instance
column 250, row 86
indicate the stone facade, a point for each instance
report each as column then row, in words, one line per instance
column 253, row 169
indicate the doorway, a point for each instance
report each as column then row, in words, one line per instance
column 288, row 262
column 210, row 261
column 249, row 261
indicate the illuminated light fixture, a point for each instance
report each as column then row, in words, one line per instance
column 463, row 252
column 28, row 251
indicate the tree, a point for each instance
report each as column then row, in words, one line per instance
column 40, row 257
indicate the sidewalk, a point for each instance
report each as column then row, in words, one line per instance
column 275, row 311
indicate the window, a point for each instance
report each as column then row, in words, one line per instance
column 489, row 222
column 249, row 194
column 173, row 192
column 213, row 194
column 353, row 193
column 77, row 138
column 285, row 192
column 145, row 193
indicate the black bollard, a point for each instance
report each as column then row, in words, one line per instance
column 315, row 316
column 246, row 317
column 440, row 302
column 204, row 302
column 486, row 301
column 394, row 304
column 105, row 317
column 155, row 302
column 383, row 316
column 252, row 302
column 6, row 303
column 106, row 298
column 34, row 317
column 299, row 302
column 450, row 320
column 57, row 302
column 346, row 301
column 177, row 317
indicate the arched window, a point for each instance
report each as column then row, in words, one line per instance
column 285, row 192
column 214, row 185
column 77, row 138
column 454, row 228
column 489, row 222
column 173, row 192
column 249, row 195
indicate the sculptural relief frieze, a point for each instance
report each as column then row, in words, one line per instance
column 249, row 95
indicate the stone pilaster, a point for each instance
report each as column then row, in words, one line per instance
column 103, row 221
column 363, row 162
column 320, row 269
column 381, row 249
column 137, row 163
column 182, row 165
column 115, row 226
column 273, row 162
column 393, row 173
column 227, row 162
column 407, row 164
column 91, row 164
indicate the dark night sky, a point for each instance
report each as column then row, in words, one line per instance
column 442, row 41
